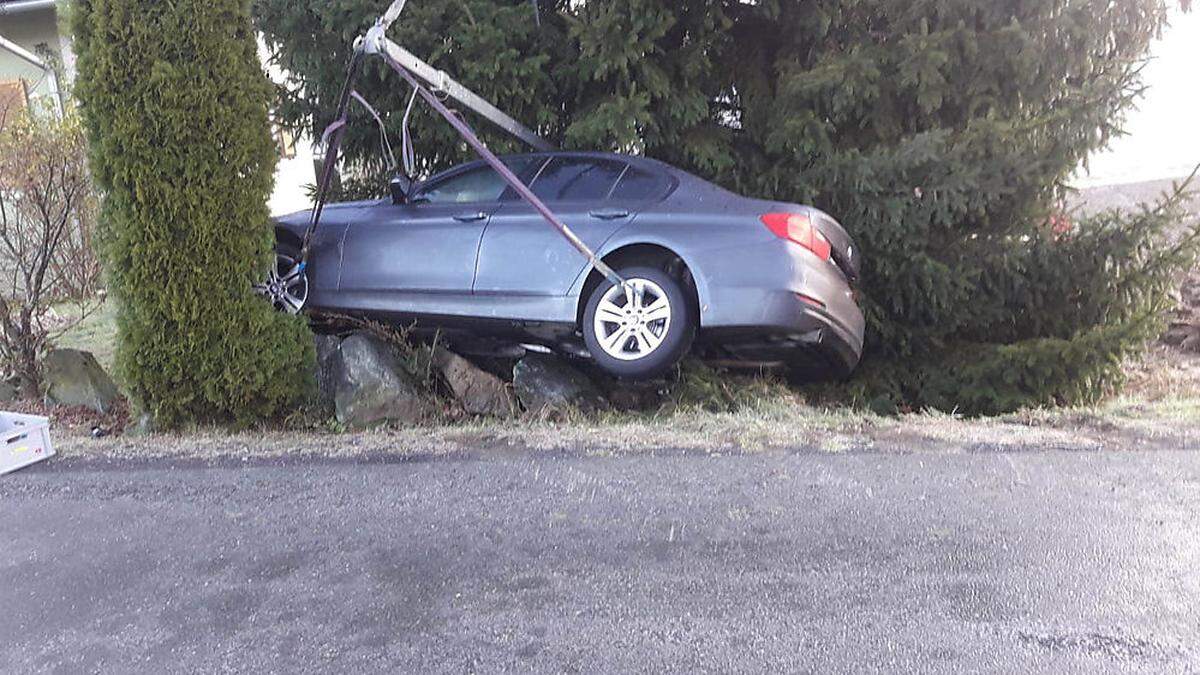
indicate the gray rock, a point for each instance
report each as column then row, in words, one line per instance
column 546, row 384
column 371, row 388
column 327, row 355
column 8, row 391
column 74, row 378
column 479, row 392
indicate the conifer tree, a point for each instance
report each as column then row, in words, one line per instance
column 940, row 132
column 175, row 103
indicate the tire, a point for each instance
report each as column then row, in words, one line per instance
column 286, row 294
column 648, row 348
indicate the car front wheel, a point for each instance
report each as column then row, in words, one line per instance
column 642, row 328
column 286, row 285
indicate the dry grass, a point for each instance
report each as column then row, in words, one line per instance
column 1163, row 374
column 707, row 412
column 96, row 333
column 770, row 426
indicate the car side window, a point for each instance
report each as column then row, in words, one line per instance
column 481, row 184
column 577, row 179
column 639, row 184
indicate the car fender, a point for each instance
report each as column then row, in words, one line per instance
column 632, row 235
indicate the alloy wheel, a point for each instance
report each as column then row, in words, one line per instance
column 632, row 319
column 286, row 285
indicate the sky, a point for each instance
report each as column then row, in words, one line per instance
column 1164, row 132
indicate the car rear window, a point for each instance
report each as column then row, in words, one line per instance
column 639, row 184
column 573, row 179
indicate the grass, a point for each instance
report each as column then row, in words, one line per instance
column 769, row 426
column 711, row 411
column 97, row 333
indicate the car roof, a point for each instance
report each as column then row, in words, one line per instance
column 643, row 162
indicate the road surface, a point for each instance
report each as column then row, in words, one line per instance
column 789, row 561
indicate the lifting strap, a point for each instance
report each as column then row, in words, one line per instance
column 376, row 42
column 385, row 145
column 509, row 177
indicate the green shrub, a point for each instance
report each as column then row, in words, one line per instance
column 941, row 133
column 175, row 103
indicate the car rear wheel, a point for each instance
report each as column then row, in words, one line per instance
column 642, row 328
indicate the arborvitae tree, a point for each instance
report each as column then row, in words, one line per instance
column 940, row 132
column 175, row 102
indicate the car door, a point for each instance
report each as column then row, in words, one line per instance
column 522, row 254
column 428, row 245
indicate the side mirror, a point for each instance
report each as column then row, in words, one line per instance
column 401, row 186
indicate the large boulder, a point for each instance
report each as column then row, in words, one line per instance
column 327, row 347
column 75, row 378
column 546, row 384
column 8, row 391
column 370, row 386
column 479, row 392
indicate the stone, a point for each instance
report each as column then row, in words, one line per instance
column 479, row 392
column 75, row 378
column 327, row 347
column 546, row 384
column 370, row 386
column 8, row 391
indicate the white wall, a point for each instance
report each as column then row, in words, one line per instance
column 292, row 175
column 28, row 30
column 291, row 178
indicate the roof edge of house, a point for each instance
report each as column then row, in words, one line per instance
column 20, row 6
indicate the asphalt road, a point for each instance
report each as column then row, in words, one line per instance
column 1047, row 561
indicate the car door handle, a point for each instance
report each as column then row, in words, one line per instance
column 609, row 214
column 471, row 217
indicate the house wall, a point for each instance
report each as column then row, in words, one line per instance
column 30, row 29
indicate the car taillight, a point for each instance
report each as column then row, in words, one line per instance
column 798, row 228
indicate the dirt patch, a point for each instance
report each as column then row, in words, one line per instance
column 76, row 421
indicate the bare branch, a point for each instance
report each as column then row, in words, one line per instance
column 47, row 215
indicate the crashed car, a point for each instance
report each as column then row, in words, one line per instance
column 462, row 253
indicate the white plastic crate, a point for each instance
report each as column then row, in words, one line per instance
column 24, row 440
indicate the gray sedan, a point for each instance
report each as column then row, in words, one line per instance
column 462, row 253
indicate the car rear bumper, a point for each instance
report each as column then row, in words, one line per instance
column 805, row 337
column 778, row 302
